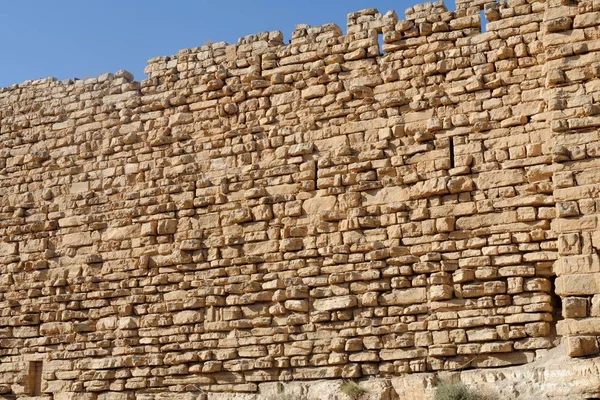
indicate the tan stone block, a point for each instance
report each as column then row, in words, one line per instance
column 577, row 285
column 574, row 307
column 585, row 20
column 404, row 296
column 460, row 184
column 494, row 179
column 8, row 249
column 595, row 307
column 430, row 187
column 261, row 248
column 527, row 317
column 573, row 327
column 577, row 264
column 296, row 305
column 441, row 292
column 580, row 346
column 496, row 347
column 314, row 91
column 484, row 220
column 503, row 359
column 335, row 303
column 122, row 233
column 296, row 348
column 402, row 354
column 181, row 119
column 174, row 258
column 569, row 244
column 187, row 317
column 386, row 195
column 316, row 205
column 77, row 239
column 190, row 245
column 481, row 335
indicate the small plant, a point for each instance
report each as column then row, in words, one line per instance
column 352, row 389
column 457, row 391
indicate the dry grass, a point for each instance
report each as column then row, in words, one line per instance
column 352, row 389
column 458, row 391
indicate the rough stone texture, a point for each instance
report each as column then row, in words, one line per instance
column 552, row 376
column 265, row 212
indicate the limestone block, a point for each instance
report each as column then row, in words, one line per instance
column 574, row 307
column 580, row 346
column 579, row 264
column 595, row 307
column 166, row 226
column 314, row 91
column 484, row 220
column 335, row 303
column 402, row 354
column 578, row 285
column 404, row 296
column 128, row 323
column 429, row 188
column 80, row 187
column 316, row 205
column 187, row 317
column 181, row 118
column 441, row 292
column 585, row 20
column 8, row 249
column 460, row 184
column 121, row 233
column 494, row 179
column 261, row 248
column 77, row 239
column 262, row 213
column 568, row 244
column 174, row 258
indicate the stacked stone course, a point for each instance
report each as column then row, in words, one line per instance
column 321, row 209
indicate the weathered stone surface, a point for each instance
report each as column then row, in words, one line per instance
column 493, row 179
column 404, row 297
column 335, row 303
column 7, row 249
column 265, row 212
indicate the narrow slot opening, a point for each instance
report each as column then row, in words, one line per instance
column 451, row 151
column 35, row 377
column 483, row 21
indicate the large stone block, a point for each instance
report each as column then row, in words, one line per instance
column 335, row 303
column 578, row 285
column 494, row 179
column 8, row 249
column 404, row 297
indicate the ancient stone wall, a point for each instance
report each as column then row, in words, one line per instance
column 326, row 208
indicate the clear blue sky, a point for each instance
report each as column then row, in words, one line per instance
column 85, row 38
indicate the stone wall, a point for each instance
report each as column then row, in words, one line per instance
column 322, row 209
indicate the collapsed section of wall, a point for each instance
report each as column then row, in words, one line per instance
column 324, row 209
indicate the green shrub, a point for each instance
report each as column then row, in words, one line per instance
column 457, row 391
column 352, row 389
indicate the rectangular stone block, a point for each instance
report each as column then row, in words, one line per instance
column 8, row 249
column 578, row 264
column 78, row 239
column 404, row 296
column 335, row 303
column 494, row 179
column 578, row 285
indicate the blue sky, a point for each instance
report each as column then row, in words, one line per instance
column 84, row 38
